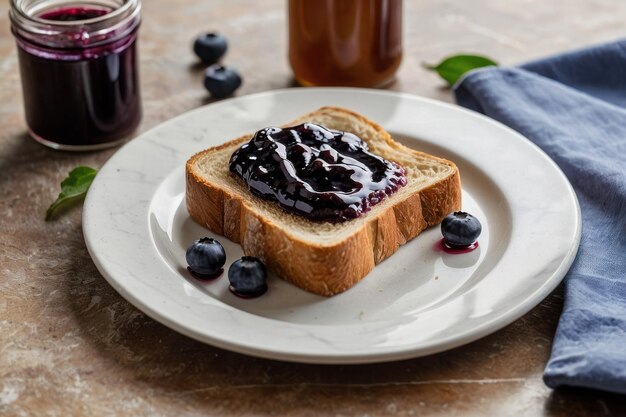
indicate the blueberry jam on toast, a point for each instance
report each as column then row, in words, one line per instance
column 315, row 172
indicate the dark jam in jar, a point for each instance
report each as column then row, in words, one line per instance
column 316, row 172
column 72, row 14
column 78, row 65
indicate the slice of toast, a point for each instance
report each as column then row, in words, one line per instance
column 320, row 257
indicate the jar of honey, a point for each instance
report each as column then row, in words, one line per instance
column 354, row 43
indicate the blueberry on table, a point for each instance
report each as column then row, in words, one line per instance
column 248, row 277
column 210, row 47
column 460, row 229
column 206, row 257
column 221, row 81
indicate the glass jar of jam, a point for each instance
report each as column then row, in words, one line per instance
column 78, row 65
column 345, row 42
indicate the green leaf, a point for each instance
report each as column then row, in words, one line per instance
column 73, row 188
column 452, row 68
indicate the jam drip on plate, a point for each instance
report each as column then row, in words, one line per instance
column 315, row 172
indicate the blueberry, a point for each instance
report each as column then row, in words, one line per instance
column 221, row 81
column 206, row 256
column 248, row 277
column 460, row 229
column 210, row 47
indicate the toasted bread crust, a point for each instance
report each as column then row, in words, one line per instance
column 322, row 269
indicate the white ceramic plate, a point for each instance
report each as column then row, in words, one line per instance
column 417, row 302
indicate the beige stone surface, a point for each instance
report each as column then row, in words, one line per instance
column 71, row 346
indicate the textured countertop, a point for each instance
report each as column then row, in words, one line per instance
column 71, row 346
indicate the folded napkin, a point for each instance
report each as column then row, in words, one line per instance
column 573, row 106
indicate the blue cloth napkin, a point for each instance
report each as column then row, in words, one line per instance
column 573, row 106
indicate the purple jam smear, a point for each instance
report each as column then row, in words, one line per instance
column 247, row 296
column 205, row 277
column 315, row 172
column 443, row 246
column 72, row 14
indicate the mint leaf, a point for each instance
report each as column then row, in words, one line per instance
column 73, row 188
column 453, row 67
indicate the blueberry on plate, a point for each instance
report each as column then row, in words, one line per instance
column 205, row 258
column 460, row 229
column 210, row 47
column 248, row 277
column 221, row 81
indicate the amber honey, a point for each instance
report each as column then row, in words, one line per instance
column 345, row 42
